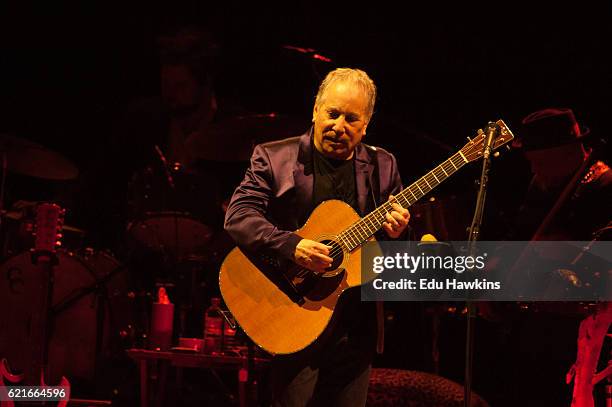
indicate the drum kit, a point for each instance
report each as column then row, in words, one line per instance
column 173, row 236
column 89, row 294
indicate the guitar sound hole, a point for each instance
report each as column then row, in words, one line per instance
column 335, row 253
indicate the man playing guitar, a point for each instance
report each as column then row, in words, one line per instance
column 286, row 180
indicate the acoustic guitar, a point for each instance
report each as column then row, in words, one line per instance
column 285, row 308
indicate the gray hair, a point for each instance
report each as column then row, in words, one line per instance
column 353, row 76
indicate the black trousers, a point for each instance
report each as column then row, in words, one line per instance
column 335, row 370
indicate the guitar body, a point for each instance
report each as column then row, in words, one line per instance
column 261, row 300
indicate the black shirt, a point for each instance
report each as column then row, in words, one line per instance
column 334, row 179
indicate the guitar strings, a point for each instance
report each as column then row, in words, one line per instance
column 379, row 213
column 448, row 167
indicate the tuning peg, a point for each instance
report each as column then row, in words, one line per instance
column 507, row 147
column 496, row 154
column 469, row 139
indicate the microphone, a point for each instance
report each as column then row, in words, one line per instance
column 491, row 135
column 162, row 158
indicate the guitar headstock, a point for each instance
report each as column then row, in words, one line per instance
column 47, row 228
column 473, row 150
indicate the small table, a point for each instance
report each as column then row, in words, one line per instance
column 192, row 360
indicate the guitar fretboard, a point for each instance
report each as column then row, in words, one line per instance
column 362, row 230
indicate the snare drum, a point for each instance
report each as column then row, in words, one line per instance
column 172, row 213
column 174, row 234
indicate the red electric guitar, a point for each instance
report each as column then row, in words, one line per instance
column 47, row 230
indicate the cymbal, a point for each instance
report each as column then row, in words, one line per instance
column 72, row 229
column 233, row 139
column 32, row 159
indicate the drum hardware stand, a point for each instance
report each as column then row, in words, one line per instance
column 246, row 374
column 186, row 284
column 171, row 183
column 170, row 180
column 251, row 384
column 2, row 188
column 185, row 304
column 492, row 130
column 101, row 297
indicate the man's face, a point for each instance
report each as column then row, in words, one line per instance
column 180, row 90
column 340, row 121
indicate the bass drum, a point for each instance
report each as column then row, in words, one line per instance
column 92, row 309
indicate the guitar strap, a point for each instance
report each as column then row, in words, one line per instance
column 374, row 180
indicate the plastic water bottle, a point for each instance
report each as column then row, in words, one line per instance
column 213, row 327
column 229, row 335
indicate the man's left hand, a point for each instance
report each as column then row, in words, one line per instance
column 397, row 219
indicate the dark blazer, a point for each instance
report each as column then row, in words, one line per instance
column 276, row 196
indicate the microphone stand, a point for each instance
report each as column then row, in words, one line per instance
column 474, row 232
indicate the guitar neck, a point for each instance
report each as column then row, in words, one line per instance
column 361, row 231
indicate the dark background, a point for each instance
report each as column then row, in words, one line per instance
column 69, row 69
column 443, row 70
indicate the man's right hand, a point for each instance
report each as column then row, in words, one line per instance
column 313, row 255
